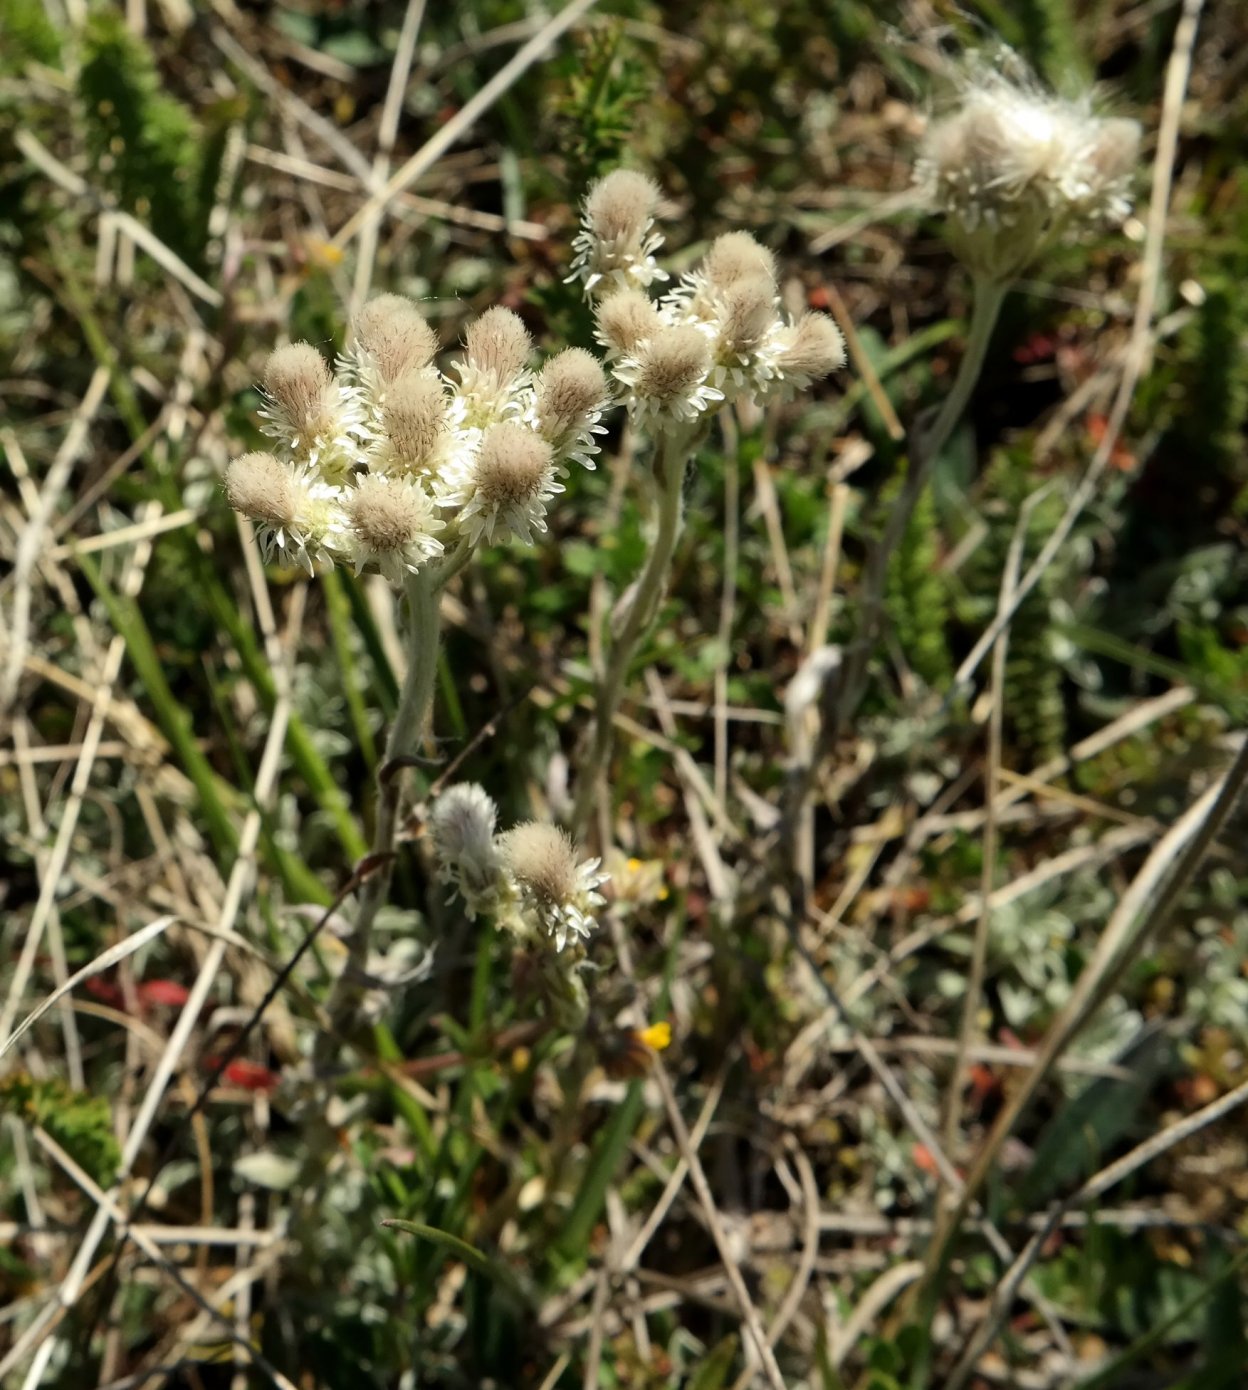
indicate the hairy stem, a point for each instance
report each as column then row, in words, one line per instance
column 988, row 297
column 422, row 592
column 673, row 456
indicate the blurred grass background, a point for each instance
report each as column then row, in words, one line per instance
column 173, row 180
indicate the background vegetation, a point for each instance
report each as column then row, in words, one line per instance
column 173, row 179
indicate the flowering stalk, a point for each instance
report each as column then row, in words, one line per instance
column 715, row 338
column 423, row 592
column 675, row 453
column 1011, row 169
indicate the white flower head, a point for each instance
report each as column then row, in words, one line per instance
column 502, row 490
column 298, row 516
column 308, row 411
column 393, row 526
column 801, row 352
column 557, row 892
column 745, row 318
column 616, row 244
column 624, row 320
column 462, row 826
column 569, row 396
column 666, row 377
column 732, row 260
column 413, row 437
column 494, row 373
column 391, row 339
column 1013, row 167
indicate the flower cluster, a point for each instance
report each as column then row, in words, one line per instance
column 530, row 878
column 716, row 336
column 386, row 463
column 1013, row 168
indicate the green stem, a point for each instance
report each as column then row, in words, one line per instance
column 422, row 592
column 988, row 297
column 674, row 454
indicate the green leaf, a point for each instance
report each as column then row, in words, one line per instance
column 130, row 626
column 714, row 1369
column 1075, row 1142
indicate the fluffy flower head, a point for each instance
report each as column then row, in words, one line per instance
column 503, row 491
column 624, row 319
column 414, row 423
column 1013, row 167
column 616, row 244
column 667, row 375
column 498, row 343
column 462, row 826
column 736, row 256
column 307, row 410
column 557, row 890
column 569, row 397
column 394, row 525
column 261, row 487
column 392, row 337
column 295, row 511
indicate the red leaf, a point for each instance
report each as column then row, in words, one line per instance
column 106, row 992
column 251, row 1076
column 153, row 992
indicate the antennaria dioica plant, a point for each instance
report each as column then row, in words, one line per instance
column 1011, row 170
column 393, row 467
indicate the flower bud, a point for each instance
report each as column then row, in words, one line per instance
column 462, row 826
column 625, row 319
column 261, row 487
column 747, row 311
column 1012, row 168
column 512, row 466
column 543, row 858
column 671, row 364
column 498, row 344
column 296, row 379
column 614, row 250
column 414, row 418
column 394, row 334
column 736, row 256
column 392, row 523
column 619, row 207
column 557, row 890
column 569, row 387
column 813, row 349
